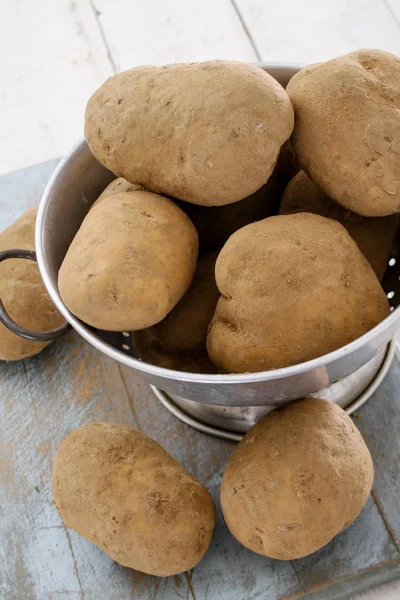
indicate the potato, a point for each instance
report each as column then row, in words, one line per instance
column 207, row 133
column 215, row 224
column 179, row 341
column 120, row 490
column 294, row 287
column 116, row 186
column 297, row 478
column 347, row 135
column 374, row 235
column 131, row 261
column 23, row 293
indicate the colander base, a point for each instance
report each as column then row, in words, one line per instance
column 232, row 423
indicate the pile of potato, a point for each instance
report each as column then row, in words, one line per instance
column 199, row 251
column 202, row 153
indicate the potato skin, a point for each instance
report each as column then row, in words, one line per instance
column 123, row 492
column 294, row 287
column 179, row 341
column 23, row 292
column 347, row 135
column 131, row 261
column 297, row 478
column 207, row 133
column 373, row 235
column 115, row 187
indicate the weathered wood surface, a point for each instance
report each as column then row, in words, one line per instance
column 53, row 58
column 56, row 52
column 313, row 31
column 188, row 31
column 42, row 399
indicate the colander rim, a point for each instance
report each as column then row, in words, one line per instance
column 139, row 365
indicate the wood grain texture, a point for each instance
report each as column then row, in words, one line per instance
column 53, row 59
column 311, row 31
column 154, row 32
column 379, row 423
column 69, row 384
column 55, row 54
column 393, row 7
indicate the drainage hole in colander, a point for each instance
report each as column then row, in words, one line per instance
column 390, row 295
column 392, row 262
column 125, row 346
column 125, row 334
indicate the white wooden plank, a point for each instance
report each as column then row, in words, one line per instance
column 53, row 57
column 312, row 31
column 394, row 8
column 155, row 32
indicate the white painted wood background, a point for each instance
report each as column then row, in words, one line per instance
column 56, row 52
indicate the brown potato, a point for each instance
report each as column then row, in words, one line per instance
column 179, row 341
column 293, row 287
column 120, row 490
column 215, row 224
column 23, row 293
column 297, row 479
column 115, row 187
column 130, row 263
column 207, row 133
column 374, row 235
column 347, row 135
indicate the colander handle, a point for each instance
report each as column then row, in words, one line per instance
column 33, row 336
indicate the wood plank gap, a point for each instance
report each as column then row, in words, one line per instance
column 381, row 512
column 131, row 403
column 97, row 13
column 67, row 533
column 292, row 562
column 336, row 589
column 392, row 13
column 246, row 29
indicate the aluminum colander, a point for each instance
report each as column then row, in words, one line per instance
column 225, row 405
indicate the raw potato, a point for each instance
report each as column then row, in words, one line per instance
column 347, row 134
column 297, row 479
column 130, row 263
column 373, row 235
column 115, row 187
column 215, row 224
column 293, row 287
column 207, row 133
column 120, row 490
column 179, row 341
column 23, row 293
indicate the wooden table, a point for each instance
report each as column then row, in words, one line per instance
column 69, row 384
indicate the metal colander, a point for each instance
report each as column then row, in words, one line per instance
column 215, row 402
